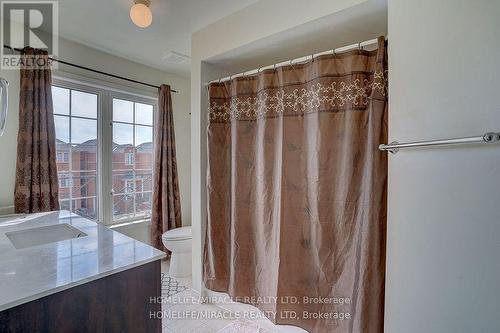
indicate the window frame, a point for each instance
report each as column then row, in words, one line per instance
column 106, row 92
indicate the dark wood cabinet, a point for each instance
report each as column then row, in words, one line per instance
column 120, row 302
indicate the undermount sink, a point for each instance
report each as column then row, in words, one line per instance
column 43, row 235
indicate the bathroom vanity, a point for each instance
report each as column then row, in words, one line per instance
column 60, row 272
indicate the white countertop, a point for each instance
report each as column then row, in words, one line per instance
column 34, row 272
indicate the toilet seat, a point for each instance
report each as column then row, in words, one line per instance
column 177, row 234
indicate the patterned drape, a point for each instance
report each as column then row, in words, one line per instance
column 36, row 188
column 166, row 206
column 297, row 191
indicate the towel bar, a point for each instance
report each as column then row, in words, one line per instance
column 394, row 146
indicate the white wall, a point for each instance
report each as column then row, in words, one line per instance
column 443, row 270
column 285, row 29
column 89, row 57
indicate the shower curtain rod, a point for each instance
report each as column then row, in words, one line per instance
column 304, row 59
column 95, row 70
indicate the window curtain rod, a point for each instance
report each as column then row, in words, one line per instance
column 359, row 46
column 95, row 70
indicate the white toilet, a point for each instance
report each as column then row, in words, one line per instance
column 178, row 241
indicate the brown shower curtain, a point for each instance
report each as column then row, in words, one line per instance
column 36, row 188
column 297, row 191
column 166, row 205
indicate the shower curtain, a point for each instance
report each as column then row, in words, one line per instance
column 297, row 191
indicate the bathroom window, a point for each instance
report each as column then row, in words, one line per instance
column 104, row 143
column 75, row 118
column 132, row 176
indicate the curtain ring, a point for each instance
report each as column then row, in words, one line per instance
column 359, row 47
column 312, row 57
column 274, row 67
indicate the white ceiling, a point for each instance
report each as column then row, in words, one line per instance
column 106, row 25
column 355, row 24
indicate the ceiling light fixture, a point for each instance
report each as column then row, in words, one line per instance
column 140, row 13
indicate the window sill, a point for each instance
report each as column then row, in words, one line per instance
column 130, row 223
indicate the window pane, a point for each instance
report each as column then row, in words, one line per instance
column 83, row 131
column 64, row 205
column 84, row 156
column 143, row 205
column 123, row 206
column 133, row 151
column 143, row 136
column 83, row 184
column 60, row 100
column 144, row 114
column 62, row 128
column 123, row 111
column 144, row 157
column 121, row 180
column 123, row 134
column 76, row 151
column 143, row 181
column 123, row 146
column 62, row 156
column 64, row 186
column 83, row 104
column 86, row 207
column 129, row 159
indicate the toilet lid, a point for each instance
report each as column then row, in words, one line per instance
column 178, row 234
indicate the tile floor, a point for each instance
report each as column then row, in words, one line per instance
column 183, row 313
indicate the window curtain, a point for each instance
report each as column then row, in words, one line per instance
column 297, row 191
column 166, row 206
column 36, row 188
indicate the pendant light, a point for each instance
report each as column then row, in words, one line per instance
column 140, row 13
